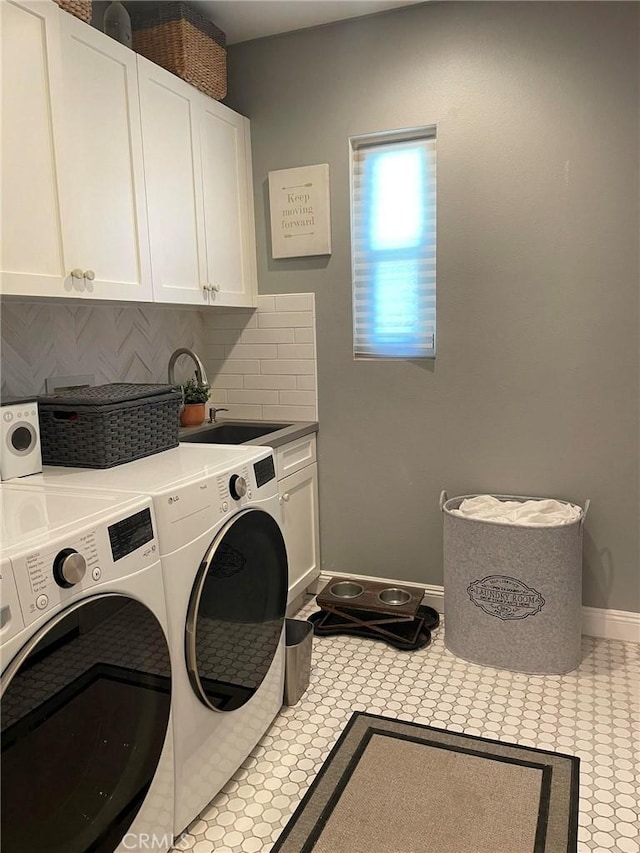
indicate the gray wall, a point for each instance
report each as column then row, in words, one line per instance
column 535, row 387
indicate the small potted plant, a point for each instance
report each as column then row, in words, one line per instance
column 194, row 397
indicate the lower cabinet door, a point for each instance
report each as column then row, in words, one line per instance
column 299, row 500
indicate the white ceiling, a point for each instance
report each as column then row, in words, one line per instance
column 242, row 20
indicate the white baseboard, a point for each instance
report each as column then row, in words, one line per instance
column 611, row 624
column 608, row 624
column 306, row 582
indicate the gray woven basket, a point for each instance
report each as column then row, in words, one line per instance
column 512, row 594
column 108, row 425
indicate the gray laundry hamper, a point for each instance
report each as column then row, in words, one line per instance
column 512, row 594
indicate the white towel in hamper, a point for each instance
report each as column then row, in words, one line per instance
column 532, row 513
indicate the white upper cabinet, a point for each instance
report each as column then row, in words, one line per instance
column 174, row 186
column 73, row 206
column 104, row 173
column 33, row 259
column 199, row 194
column 228, row 205
column 174, row 195
column 119, row 180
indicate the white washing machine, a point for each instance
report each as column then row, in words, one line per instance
column 85, row 691
column 226, row 576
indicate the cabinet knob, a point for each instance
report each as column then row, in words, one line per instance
column 89, row 275
column 77, row 273
column 285, row 498
column 216, row 287
column 206, row 287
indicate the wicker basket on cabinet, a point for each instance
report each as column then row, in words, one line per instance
column 80, row 8
column 181, row 40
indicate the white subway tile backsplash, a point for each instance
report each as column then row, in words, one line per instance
column 297, row 398
column 261, row 364
column 294, row 302
column 266, row 303
column 231, row 365
column 243, row 412
column 306, row 383
column 272, row 382
column 286, row 413
column 231, row 320
column 214, row 352
column 305, row 335
column 267, row 369
column 270, row 336
column 283, row 319
column 253, row 351
column 227, row 337
column 253, row 396
column 293, row 366
column 295, row 351
column 228, row 380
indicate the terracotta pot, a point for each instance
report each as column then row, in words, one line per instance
column 192, row 414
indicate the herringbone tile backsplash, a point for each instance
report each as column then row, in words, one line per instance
column 115, row 343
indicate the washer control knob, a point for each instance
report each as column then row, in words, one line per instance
column 237, row 487
column 69, row 568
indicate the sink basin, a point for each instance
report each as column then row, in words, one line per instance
column 231, row 433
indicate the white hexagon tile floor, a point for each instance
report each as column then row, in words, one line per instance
column 593, row 712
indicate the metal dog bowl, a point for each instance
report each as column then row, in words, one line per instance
column 394, row 596
column 346, row 589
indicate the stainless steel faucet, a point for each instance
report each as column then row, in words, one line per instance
column 201, row 373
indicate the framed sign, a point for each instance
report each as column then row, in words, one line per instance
column 300, row 216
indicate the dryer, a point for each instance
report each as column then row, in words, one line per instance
column 85, row 689
column 226, row 577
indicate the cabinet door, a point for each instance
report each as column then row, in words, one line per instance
column 299, row 501
column 173, row 180
column 105, row 175
column 33, row 262
column 228, row 205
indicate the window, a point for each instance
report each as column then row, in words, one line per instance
column 393, row 244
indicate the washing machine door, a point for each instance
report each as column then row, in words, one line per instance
column 237, row 610
column 85, row 710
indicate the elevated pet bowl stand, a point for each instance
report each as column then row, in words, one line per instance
column 375, row 610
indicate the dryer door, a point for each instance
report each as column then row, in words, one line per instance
column 85, row 710
column 237, row 610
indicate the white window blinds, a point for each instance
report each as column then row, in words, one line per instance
column 393, row 244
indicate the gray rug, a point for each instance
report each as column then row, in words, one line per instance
column 394, row 787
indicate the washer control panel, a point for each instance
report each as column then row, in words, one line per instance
column 237, row 489
column 52, row 575
column 189, row 510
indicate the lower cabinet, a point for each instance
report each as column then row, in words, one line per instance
column 298, row 488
